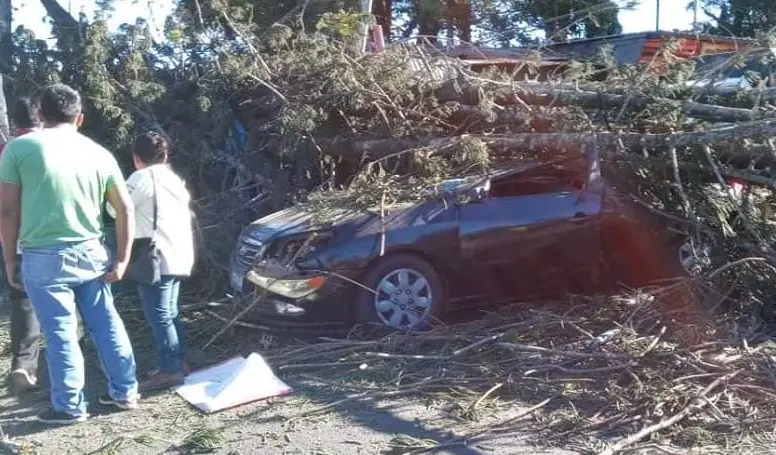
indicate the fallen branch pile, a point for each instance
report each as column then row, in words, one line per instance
column 345, row 130
column 605, row 374
column 356, row 131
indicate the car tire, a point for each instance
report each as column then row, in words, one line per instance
column 693, row 257
column 405, row 310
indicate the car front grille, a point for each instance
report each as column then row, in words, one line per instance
column 248, row 249
column 251, row 245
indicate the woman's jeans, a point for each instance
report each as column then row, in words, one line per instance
column 61, row 280
column 160, row 305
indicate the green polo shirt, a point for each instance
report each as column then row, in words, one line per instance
column 63, row 177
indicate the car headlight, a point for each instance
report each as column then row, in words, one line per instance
column 292, row 289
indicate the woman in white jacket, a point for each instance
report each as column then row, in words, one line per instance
column 174, row 238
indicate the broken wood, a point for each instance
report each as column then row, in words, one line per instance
column 375, row 149
column 696, row 404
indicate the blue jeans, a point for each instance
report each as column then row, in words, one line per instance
column 61, row 280
column 160, row 305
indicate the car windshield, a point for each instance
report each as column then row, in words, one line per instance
column 478, row 182
column 455, row 186
column 450, row 185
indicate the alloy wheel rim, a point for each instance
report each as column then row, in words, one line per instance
column 403, row 298
column 692, row 258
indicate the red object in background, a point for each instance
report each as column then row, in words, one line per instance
column 378, row 40
column 737, row 184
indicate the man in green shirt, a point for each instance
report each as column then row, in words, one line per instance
column 53, row 186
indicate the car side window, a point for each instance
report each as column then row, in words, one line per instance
column 546, row 179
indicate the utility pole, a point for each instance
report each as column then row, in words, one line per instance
column 366, row 10
column 5, row 64
column 695, row 7
column 657, row 16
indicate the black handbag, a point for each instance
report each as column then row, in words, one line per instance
column 145, row 260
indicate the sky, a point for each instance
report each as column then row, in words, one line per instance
column 673, row 15
column 31, row 13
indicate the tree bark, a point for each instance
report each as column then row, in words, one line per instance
column 544, row 95
column 747, row 97
column 562, row 142
column 59, row 15
column 382, row 11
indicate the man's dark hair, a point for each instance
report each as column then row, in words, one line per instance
column 151, row 148
column 59, row 104
column 25, row 113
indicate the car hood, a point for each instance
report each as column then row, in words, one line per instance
column 297, row 219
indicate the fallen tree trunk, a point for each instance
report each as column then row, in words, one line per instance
column 373, row 149
column 746, row 97
column 545, row 95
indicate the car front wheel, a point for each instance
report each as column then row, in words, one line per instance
column 407, row 293
column 694, row 256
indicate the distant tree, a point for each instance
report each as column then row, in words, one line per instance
column 565, row 19
column 743, row 18
column 501, row 22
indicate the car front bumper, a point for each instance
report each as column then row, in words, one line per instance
column 327, row 308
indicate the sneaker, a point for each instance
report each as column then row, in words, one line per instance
column 161, row 381
column 130, row 403
column 61, row 418
column 21, row 381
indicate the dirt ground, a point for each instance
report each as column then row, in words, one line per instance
column 311, row 421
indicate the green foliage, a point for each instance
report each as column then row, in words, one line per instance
column 742, row 18
column 342, row 25
column 261, row 14
column 565, row 19
column 375, row 187
column 203, row 440
column 493, row 21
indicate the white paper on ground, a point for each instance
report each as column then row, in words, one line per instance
column 232, row 383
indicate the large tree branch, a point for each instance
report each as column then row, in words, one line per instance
column 735, row 96
column 59, row 15
column 536, row 142
column 546, row 95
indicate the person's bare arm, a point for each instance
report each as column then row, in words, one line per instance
column 120, row 200
column 10, row 220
